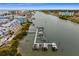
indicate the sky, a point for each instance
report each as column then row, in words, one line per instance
column 39, row 5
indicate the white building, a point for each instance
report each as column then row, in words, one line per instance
column 4, row 20
column 3, row 31
column 13, row 25
column 66, row 13
column 1, row 34
column 3, row 12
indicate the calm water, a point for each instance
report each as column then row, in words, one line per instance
column 64, row 33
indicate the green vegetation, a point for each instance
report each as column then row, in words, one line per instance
column 10, row 49
column 70, row 18
column 64, row 17
column 45, row 11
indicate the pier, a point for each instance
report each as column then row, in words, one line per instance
column 43, row 44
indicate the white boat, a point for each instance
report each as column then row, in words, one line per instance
column 44, row 46
column 54, row 46
column 36, row 46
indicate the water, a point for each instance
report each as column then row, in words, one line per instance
column 64, row 33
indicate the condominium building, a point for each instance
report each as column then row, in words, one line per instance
column 66, row 13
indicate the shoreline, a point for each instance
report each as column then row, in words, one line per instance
column 74, row 19
column 11, row 48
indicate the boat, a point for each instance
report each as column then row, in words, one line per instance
column 36, row 46
column 44, row 46
column 54, row 46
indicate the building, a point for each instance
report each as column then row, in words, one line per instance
column 66, row 13
column 4, row 31
column 14, row 25
column 5, row 19
column 22, row 19
column 77, row 13
column 1, row 34
column 3, row 12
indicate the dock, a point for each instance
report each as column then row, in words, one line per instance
column 43, row 44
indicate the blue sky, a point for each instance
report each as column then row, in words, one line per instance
column 38, row 5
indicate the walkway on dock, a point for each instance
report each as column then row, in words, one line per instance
column 40, row 35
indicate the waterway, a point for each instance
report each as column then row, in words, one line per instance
column 65, row 33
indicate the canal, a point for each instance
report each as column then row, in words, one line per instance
column 65, row 33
